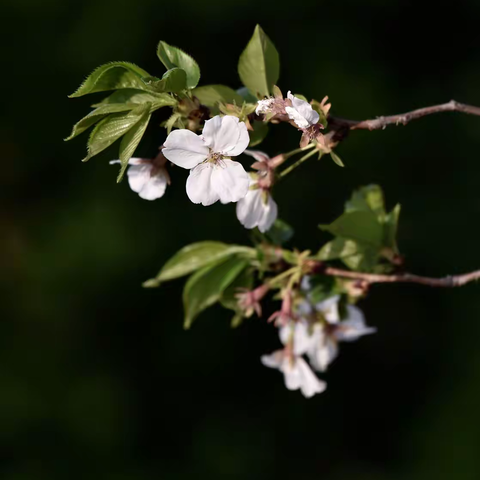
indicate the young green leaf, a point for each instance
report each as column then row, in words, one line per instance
column 173, row 57
column 368, row 199
column 112, row 128
column 338, row 248
column 193, row 257
column 212, row 95
column 391, row 227
column 337, row 159
column 206, row 286
column 174, row 80
column 112, row 76
column 361, row 226
column 131, row 140
column 259, row 64
column 96, row 115
column 129, row 95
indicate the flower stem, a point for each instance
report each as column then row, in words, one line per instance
column 296, row 164
column 283, row 275
column 298, row 150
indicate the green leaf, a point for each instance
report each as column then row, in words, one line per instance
column 206, row 286
column 337, row 159
column 113, row 76
column 280, row 232
column 367, row 199
column 258, row 134
column 247, row 95
column 212, row 95
column 129, row 95
column 338, row 248
column 391, row 227
column 364, row 261
column 173, row 57
column 96, row 115
column 174, row 80
column 259, row 64
column 112, row 128
column 193, row 257
column 131, row 140
column 170, row 123
column 358, row 225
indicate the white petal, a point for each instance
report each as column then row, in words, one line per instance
column 292, row 374
column 138, row 176
column 329, row 309
column 155, row 187
column 226, row 135
column 229, row 181
column 185, row 149
column 310, row 384
column 299, row 120
column 302, row 340
column 249, row 208
column 353, row 326
column 270, row 212
column 264, row 106
column 274, row 360
column 304, row 112
column 133, row 161
column 257, row 155
column 323, row 353
column 199, row 185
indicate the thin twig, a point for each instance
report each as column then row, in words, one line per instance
column 403, row 118
column 450, row 281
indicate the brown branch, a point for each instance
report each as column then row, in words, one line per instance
column 403, row 118
column 450, row 281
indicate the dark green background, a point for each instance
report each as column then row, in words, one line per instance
column 97, row 378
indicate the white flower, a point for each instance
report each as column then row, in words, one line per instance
column 297, row 373
column 301, row 112
column 322, row 348
column 147, row 177
column 264, row 106
column 257, row 208
column 212, row 175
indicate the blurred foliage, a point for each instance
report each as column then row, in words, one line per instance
column 98, row 379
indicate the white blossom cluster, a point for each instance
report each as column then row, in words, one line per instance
column 214, row 176
column 317, row 339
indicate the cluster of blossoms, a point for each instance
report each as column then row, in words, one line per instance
column 214, row 176
column 313, row 330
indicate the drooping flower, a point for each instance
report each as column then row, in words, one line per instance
column 297, row 373
column 301, row 112
column 213, row 176
column 147, row 176
column 321, row 342
column 257, row 208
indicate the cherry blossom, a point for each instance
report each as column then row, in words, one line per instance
column 147, row 176
column 213, row 176
column 320, row 339
column 257, row 208
column 297, row 373
column 301, row 112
